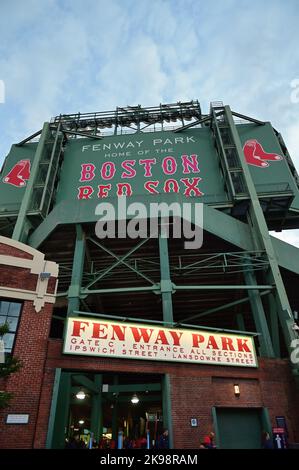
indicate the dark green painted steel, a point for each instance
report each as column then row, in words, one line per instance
column 96, row 425
column 22, row 226
column 167, row 412
column 53, row 410
column 77, row 271
column 61, row 412
column 239, row 428
column 257, row 308
column 150, row 387
column 261, row 237
column 273, row 324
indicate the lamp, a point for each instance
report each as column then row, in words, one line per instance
column 134, row 399
column 81, row 421
column 80, row 395
column 237, row 390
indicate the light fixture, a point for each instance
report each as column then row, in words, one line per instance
column 134, row 399
column 43, row 276
column 237, row 390
column 80, row 395
column 81, row 421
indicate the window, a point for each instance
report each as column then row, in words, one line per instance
column 10, row 313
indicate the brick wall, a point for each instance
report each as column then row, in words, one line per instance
column 195, row 390
column 13, row 251
column 31, row 347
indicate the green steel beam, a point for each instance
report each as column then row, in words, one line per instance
column 77, row 271
column 216, row 427
column 116, row 317
column 166, row 293
column 21, row 228
column 266, row 421
column 224, row 287
column 192, row 124
column 227, row 228
column 114, row 414
column 29, row 138
column 54, row 402
column 247, row 118
column 266, row 347
column 166, row 403
column 183, row 325
column 223, row 307
column 273, row 323
column 287, row 255
column 46, row 196
column 262, row 240
column 118, row 388
column 62, row 411
column 82, row 134
column 120, row 260
column 222, row 156
column 85, row 292
column 86, row 382
column 96, row 425
column 166, row 285
column 240, row 321
column 215, row 221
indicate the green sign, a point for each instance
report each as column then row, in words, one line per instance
column 143, row 165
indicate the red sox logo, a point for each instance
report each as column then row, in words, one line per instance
column 256, row 155
column 19, row 174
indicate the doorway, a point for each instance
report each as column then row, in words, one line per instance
column 108, row 407
column 239, row 428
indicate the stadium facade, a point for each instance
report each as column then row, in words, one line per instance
column 204, row 336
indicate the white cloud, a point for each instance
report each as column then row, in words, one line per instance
column 60, row 56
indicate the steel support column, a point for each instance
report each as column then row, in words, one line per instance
column 77, row 272
column 115, row 414
column 266, row 348
column 166, row 401
column 54, row 403
column 166, row 293
column 240, row 322
column 273, row 324
column 61, row 412
column 22, row 226
column 166, row 285
column 262, row 240
column 96, row 425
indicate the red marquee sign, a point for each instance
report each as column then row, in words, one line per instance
column 93, row 337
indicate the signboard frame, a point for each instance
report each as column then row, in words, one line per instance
column 17, row 418
column 67, row 350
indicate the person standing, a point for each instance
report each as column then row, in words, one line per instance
column 209, row 441
column 267, row 442
column 163, row 442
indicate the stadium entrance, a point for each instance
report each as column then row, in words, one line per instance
column 116, row 410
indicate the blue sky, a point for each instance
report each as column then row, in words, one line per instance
column 64, row 56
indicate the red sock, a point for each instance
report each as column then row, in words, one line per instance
column 249, row 152
column 18, row 174
column 26, row 169
column 260, row 152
